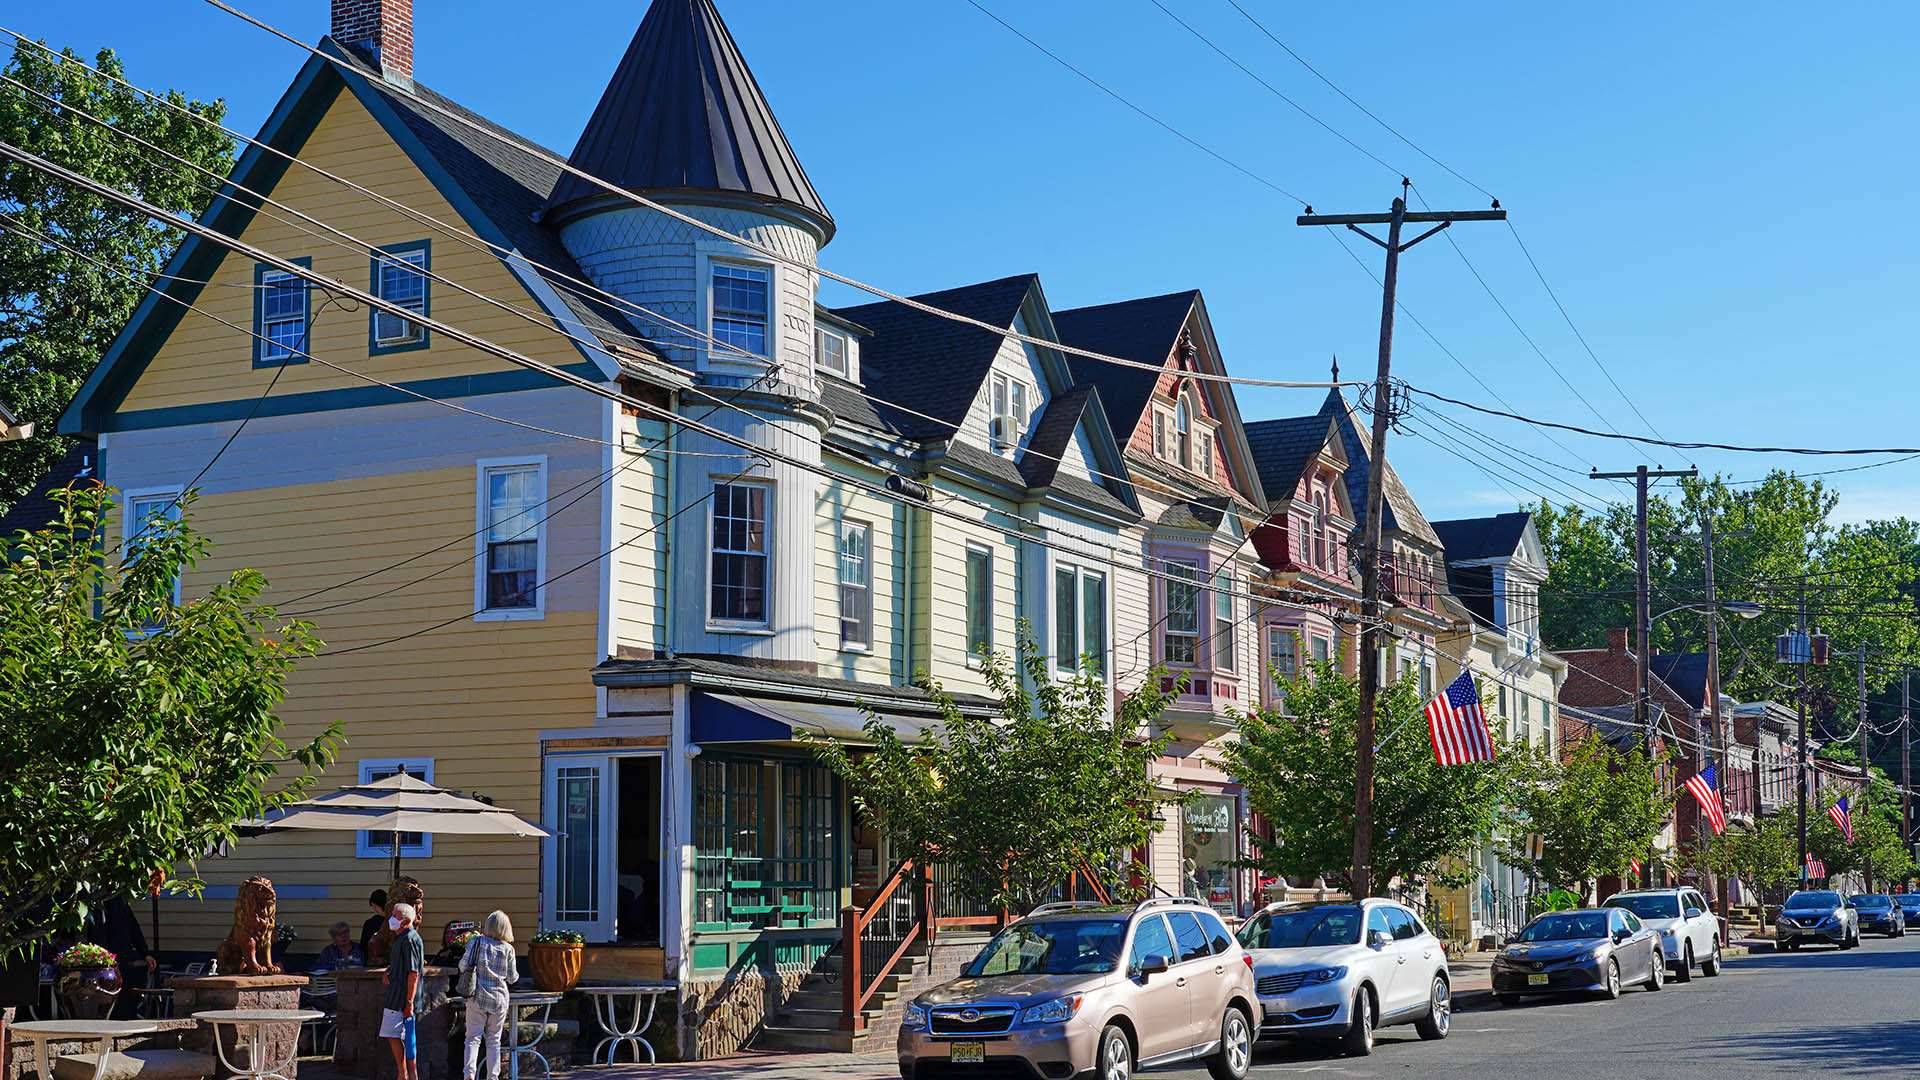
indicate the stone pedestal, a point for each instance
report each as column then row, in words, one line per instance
column 199, row 993
column 358, row 1047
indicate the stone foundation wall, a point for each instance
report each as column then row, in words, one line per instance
column 202, row 992
column 720, row 1016
column 22, row 1065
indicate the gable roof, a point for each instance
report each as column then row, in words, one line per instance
column 683, row 112
column 1496, row 537
column 35, row 510
column 1686, row 673
column 1143, row 331
column 928, row 363
column 494, row 186
column 1401, row 512
column 1282, row 448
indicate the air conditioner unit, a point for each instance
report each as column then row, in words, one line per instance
column 1004, row 434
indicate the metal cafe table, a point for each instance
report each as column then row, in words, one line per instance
column 606, row 999
column 251, row 1026
column 528, row 999
column 42, row 1032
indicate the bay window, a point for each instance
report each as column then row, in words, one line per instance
column 1223, row 625
column 1180, row 629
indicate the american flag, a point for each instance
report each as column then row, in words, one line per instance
column 1458, row 723
column 1815, row 867
column 1838, row 812
column 1633, row 868
column 1702, row 787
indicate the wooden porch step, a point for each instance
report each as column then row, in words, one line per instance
column 780, row 1037
column 815, row 1018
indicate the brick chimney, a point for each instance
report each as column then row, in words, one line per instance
column 1617, row 640
column 380, row 32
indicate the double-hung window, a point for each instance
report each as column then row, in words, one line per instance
column 1183, row 433
column 512, row 528
column 739, row 585
column 379, row 845
column 147, row 513
column 1079, row 620
column 979, row 603
column 740, row 297
column 1526, row 718
column 399, row 276
column 1180, row 631
column 281, row 312
column 856, row 585
column 830, row 351
column 1223, row 626
column 1009, row 420
column 1283, row 646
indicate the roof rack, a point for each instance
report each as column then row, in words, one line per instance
column 1157, row 900
column 1062, row 905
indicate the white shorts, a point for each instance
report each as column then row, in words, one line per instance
column 393, row 1024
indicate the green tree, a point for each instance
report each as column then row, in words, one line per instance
column 59, row 311
column 1762, row 855
column 1296, row 766
column 1596, row 807
column 135, row 732
column 1014, row 803
column 1876, row 837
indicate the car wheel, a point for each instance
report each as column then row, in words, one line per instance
column 1790, row 946
column 1508, row 1000
column 1236, row 1047
column 1656, row 971
column 1711, row 965
column 1685, row 971
column 1610, row 987
column 1358, row 1041
column 1116, row 1055
column 1439, row 1018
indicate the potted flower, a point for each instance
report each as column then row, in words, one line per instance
column 283, row 935
column 87, row 981
column 555, row 959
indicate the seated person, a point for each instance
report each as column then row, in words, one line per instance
column 452, row 943
column 340, row 952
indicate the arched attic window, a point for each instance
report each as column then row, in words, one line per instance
column 1183, row 431
column 1320, row 529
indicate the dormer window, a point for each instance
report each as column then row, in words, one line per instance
column 1009, row 411
column 830, row 352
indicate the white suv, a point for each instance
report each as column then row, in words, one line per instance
column 1342, row 969
column 1689, row 932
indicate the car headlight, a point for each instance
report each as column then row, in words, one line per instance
column 1057, row 1011
column 1323, row 975
column 1594, row 953
column 916, row 1018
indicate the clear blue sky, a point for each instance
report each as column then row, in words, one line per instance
column 1706, row 187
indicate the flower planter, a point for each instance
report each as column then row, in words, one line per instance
column 87, row 992
column 555, row 966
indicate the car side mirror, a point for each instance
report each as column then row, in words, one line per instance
column 1694, row 913
column 1379, row 939
column 1154, row 965
column 1621, row 935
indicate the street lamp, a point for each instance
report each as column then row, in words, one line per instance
column 1746, row 609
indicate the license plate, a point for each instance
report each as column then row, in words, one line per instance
column 1536, row 980
column 967, row 1053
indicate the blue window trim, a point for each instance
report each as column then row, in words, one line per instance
column 374, row 348
column 260, row 272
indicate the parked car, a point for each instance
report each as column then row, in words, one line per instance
column 1816, row 915
column 1689, row 933
column 1344, row 970
column 1877, row 912
column 1076, row 988
column 1909, row 907
column 1589, row 949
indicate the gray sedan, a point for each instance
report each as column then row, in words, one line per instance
column 1560, row 952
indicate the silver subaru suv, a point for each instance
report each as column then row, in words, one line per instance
column 1102, row 990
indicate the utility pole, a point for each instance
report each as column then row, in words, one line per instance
column 1866, row 772
column 1370, row 559
column 1722, row 734
column 1906, row 762
column 1642, row 614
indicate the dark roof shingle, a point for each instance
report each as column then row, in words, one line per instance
column 1495, row 537
column 1281, row 449
column 1143, row 331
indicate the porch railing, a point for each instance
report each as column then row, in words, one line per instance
column 873, row 939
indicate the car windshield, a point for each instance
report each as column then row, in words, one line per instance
column 1052, row 947
column 1650, row 906
column 1872, row 903
column 1813, row 901
column 1569, row 926
column 1303, row 928
column 1909, row 900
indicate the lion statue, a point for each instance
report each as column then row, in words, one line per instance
column 248, row 949
column 404, row 891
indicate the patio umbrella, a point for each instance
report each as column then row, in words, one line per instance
column 399, row 804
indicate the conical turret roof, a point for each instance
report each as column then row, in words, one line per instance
column 683, row 113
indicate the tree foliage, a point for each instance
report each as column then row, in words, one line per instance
column 1876, row 837
column 1015, row 802
column 1761, row 855
column 1596, row 807
column 59, row 311
column 1296, row 766
column 134, row 732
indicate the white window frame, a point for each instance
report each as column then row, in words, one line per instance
column 420, row 259
column 1162, row 433
column 846, row 527
column 1182, row 442
column 270, row 350
column 709, row 268
column 1222, row 628
column 129, row 525
column 975, row 660
column 420, row 768
column 1068, row 666
column 1201, row 614
column 482, row 469
column 723, row 625
column 821, row 335
column 1009, row 409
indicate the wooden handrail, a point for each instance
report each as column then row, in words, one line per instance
column 854, row 922
column 886, row 892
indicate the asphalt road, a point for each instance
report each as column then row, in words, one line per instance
column 1854, row 1013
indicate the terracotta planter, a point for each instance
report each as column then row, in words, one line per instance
column 556, row 965
column 87, row 993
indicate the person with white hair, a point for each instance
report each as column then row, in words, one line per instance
column 490, row 957
column 404, row 966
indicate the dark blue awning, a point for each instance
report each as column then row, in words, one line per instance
column 724, row 718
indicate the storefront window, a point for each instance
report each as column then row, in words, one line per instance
column 1207, row 848
column 763, row 843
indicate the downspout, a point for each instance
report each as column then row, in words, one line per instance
column 907, row 514
column 671, row 597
